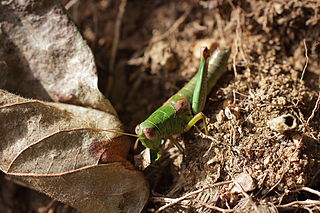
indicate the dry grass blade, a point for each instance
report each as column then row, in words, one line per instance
column 307, row 59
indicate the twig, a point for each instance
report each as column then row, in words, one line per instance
column 115, row 43
column 241, row 189
column 177, row 200
column 307, row 58
column 304, row 203
column 246, row 195
column 213, row 207
column 70, row 4
column 216, row 143
column 173, row 28
column 315, row 109
column 275, row 185
column 283, row 174
column 167, row 200
column 307, row 189
column 220, row 27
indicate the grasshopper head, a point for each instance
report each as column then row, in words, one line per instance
column 149, row 135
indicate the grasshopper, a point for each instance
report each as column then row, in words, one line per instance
column 182, row 110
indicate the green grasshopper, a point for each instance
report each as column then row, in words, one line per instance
column 182, row 110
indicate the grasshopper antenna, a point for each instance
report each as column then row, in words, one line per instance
column 117, row 132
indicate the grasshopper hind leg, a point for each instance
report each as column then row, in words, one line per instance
column 200, row 92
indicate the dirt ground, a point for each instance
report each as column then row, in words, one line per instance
column 146, row 50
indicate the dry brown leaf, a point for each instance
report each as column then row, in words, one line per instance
column 46, row 55
column 96, row 189
column 57, row 148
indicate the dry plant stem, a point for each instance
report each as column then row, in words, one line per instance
column 275, row 185
column 173, row 28
column 115, row 44
column 178, row 200
column 315, row 109
column 307, row 58
column 307, row 189
column 238, row 41
column 246, row 194
column 213, row 207
column 216, row 143
column 70, row 4
column 219, row 27
column 303, row 204
column 168, row 200
column 282, row 176
column 240, row 187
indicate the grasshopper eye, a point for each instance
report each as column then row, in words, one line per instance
column 137, row 129
column 149, row 133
